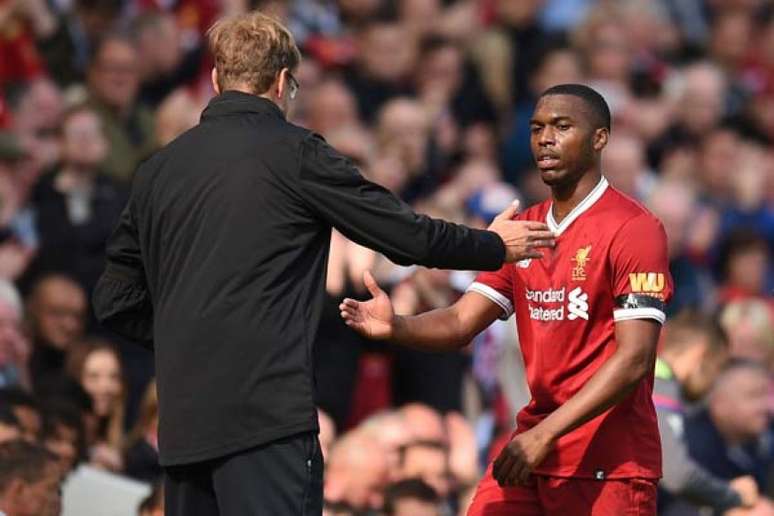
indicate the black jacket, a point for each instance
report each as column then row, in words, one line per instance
column 219, row 260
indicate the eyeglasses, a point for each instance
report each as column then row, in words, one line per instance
column 293, row 86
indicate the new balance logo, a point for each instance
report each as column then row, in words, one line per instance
column 646, row 281
column 578, row 305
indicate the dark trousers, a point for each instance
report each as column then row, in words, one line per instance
column 283, row 477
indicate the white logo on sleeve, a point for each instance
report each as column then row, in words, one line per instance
column 578, row 305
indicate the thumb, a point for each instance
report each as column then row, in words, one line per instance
column 370, row 284
column 510, row 211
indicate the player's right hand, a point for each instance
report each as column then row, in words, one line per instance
column 373, row 318
column 747, row 489
column 522, row 238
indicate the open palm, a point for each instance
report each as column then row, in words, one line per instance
column 372, row 318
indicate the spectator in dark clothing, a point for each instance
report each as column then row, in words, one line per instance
column 56, row 313
column 731, row 437
column 384, row 62
column 77, row 205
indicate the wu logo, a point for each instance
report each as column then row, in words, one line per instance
column 646, row 281
column 578, row 305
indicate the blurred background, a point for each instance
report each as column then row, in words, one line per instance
column 431, row 99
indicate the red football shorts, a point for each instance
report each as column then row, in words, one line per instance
column 554, row 496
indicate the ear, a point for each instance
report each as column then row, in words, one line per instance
column 214, row 78
column 282, row 83
column 600, row 138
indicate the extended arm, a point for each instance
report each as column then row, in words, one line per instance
column 373, row 217
column 438, row 330
column 614, row 381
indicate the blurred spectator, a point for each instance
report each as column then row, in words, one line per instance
column 428, row 461
column 14, row 346
column 750, row 327
column 16, row 250
column 114, row 82
column 164, row 64
column 96, row 364
column 332, row 106
column 68, row 48
column 76, row 205
column 411, row 497
column 744, row 265
column 386, row 55
column 63, row 433
column 177, row 113
column 10, row 428
column 731, row 438
column 37, row 107
column 29, row 480
column 626, row 167
column 153, row 505
column 56, row 312
column 693, row 352
column 356, row 473
column 390, row 429
column 27, row 411
column 674, row 203
column 141, row 458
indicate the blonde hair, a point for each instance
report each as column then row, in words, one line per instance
column 148, row 414
column 251, row 50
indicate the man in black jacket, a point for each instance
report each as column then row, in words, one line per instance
column 219, row 261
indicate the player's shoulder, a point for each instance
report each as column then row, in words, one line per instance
column 629, row 211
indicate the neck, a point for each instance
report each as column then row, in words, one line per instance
column 72, row 177
column 730, row 435
column 567, row 197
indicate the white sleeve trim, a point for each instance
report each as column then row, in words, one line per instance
column 494, row 296
column 627, row 314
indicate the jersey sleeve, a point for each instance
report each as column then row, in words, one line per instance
column 642, row 285
column 496, row 286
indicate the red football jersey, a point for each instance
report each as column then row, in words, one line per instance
column 610, row 264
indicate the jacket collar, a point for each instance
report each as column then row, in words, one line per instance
column 234, row 102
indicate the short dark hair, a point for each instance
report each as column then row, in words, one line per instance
column 413, row 488
column 16, row 397
column 23, row 461
column 599, row 108
column 689, row 323
column 8, row 417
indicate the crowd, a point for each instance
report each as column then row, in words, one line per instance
column 432, row 100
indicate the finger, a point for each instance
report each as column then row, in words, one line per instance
column 351, row 303
column 503, row 467
column 538, row 226
column 509, row 212
column 370, row 284
column 542, row 243
column 523, row 475
column 531, row 253
column 540, row 235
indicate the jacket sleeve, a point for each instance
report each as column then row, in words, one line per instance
column 121, row 299
column 373, row 217
column 682, row 476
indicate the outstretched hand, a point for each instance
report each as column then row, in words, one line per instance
column 374, row 318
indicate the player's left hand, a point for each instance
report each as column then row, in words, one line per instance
column 521, row 456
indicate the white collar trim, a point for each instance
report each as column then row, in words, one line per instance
column 593, row 196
